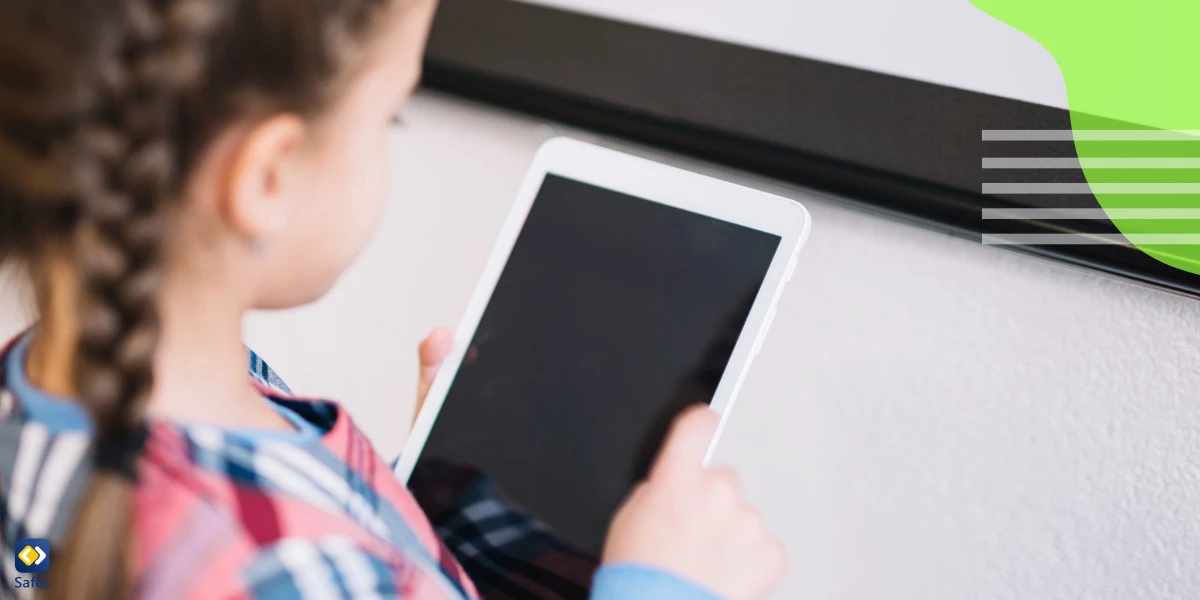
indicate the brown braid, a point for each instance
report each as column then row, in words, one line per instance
column 125, row 172
column 104, row 107
column 125, row 175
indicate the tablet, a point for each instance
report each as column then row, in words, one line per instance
column 620, row 292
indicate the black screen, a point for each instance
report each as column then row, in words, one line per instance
column 612, row 314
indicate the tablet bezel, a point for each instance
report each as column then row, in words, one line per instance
column 655, row 182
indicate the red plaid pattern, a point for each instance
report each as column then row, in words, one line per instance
column 225, row 516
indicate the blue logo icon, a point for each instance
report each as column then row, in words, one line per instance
column 33, row 555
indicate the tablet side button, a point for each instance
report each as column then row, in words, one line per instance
column 766, row 330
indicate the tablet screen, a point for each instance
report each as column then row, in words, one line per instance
column 612, row 314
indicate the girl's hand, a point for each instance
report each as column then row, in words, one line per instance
column 691, row 521
column 431, row 353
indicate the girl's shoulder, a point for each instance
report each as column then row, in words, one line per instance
column 275, row 517
column 224, row 515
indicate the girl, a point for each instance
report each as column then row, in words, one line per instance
column 165, row 166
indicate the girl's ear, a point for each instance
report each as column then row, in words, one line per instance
column 258, row 196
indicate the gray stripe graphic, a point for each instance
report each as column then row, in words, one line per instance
column 1096, row 188
column 1098, row 214
column 1090, row 239
column 1089, row 135
column 1090, row 163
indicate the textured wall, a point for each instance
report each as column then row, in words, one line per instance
column 929, row 419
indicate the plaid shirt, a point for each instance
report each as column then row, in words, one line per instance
column 225, row 515
column 228, row 516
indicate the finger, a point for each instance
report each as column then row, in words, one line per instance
column 772, row 561
column 727, row 477
column 431, row 353
column 632, row 499
column 687, row 442
column 434, row 348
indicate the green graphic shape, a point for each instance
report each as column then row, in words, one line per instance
column 1132, row 73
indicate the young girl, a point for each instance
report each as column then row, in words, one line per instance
column 165, row 166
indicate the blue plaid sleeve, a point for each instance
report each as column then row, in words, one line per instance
column 624, row 581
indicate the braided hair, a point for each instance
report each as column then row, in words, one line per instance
column 104, row 107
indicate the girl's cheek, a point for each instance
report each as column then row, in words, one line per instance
column 373, row 191
column 381, row 181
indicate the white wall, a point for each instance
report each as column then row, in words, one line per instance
column 929, row 419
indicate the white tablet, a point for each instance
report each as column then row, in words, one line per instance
column 620, row 291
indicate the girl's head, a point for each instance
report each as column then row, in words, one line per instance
column 159, row 147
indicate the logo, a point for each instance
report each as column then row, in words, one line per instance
column 33, row 555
